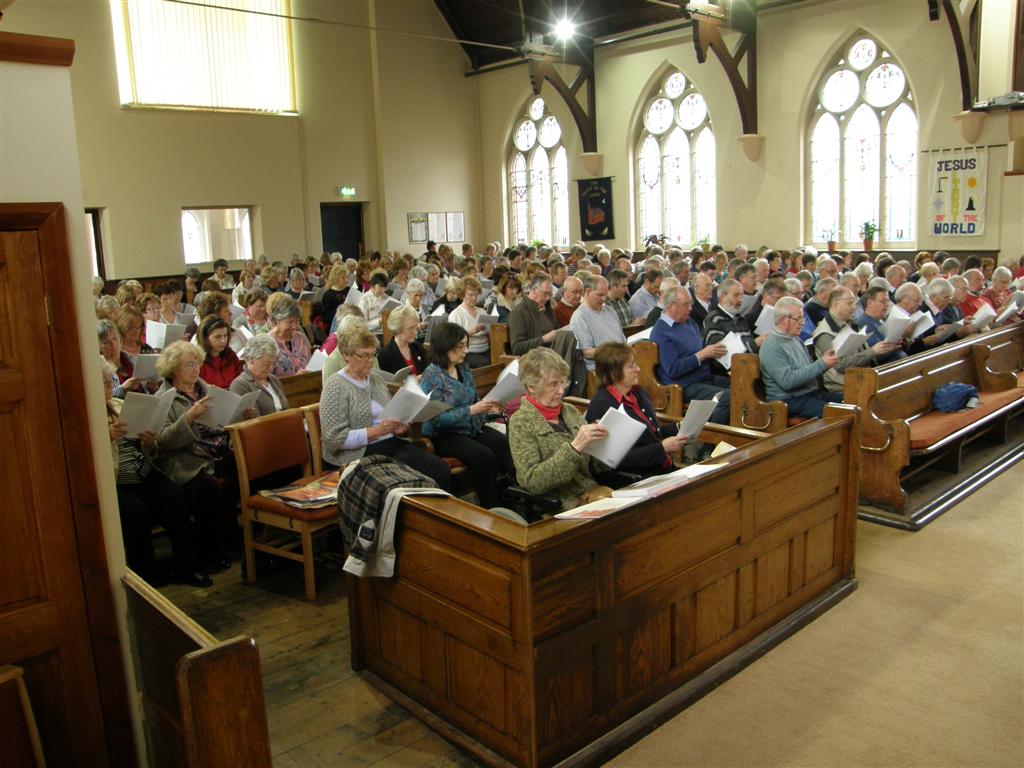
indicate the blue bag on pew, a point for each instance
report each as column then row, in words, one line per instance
column 954, row 396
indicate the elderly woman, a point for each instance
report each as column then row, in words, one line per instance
column 292, row 344
column 547, row 438
column 296, row 282
column 335, row 292
column 254, row 318
column 260, row 354
column 468, row 315
column 508, row 297
column 144, row 497
column 351, row 404
column 221, row 366
column 617, row 373
column 999, row 293
column 131, row 323
column 111, row 350
column 149, row 305
column 372, row 302
column 461, row 432
column 189, row 452
column 415, row 290
column 246, row 280
column 403, row 350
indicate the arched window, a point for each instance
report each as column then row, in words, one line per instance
column 675, row 156
column 863, row 149
column 539, row 179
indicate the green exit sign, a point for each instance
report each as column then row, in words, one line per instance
column 346, row 191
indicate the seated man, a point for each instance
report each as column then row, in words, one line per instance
column 683, row 357
column 876, row 307
column 565, row 306
column 703, row 293
column 532, row 324
column 935, row 299
column 646, row 296
column 746, row 276
column 727, row 318
column 841, row 304
column 787, row 370
column 816, row 309
column 593, row 323
column 773, row 289
column 654, row 314
column 618, row 284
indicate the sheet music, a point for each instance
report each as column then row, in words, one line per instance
column 145, row 413
column 353, row 296
column 734, row 346
column 316, row 361
column 644, row 335
column 983, row 316
column 765, row 321
column 895, row 327
column 1006, row 314
column 162, row 335
column 623, row 432
column 507, row 387
column 953, row 328
column 145, row 367
column 697, row 414
column 848, row 341
column 225, row 407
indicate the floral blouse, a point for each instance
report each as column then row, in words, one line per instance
column 292, row 356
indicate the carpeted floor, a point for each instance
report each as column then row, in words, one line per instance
column 922, row 666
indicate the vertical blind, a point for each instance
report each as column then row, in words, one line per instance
column 170, row 54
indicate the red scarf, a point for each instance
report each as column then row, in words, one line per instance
column 631, row 402
column 549, row 414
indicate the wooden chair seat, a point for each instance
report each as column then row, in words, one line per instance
column 261, row 504
column 931, row 428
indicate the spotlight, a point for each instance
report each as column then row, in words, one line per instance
column 564, row 30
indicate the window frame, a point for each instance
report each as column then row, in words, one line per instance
column 817, row 110
column 94, row 215
column 249, row 214
column 551, row 153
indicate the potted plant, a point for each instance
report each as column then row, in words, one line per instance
column 829, row 236
column 705, row 243
column 867, row 233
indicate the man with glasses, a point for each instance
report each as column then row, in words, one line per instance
column 684, row 359
column 841, row 304
column 789, row 373
column 876, row 307
column 532, row 324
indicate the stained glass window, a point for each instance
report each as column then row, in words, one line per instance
column 539, row 178
column 863, row 135
column 675, row 171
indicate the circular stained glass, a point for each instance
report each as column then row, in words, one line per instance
column 537, row 109
column 692, row 111
column 659, row 116
column 862, row 54
column 526, row 136
column 840, row 91
column 884, row 85
column 675, row 85
column 550, row 132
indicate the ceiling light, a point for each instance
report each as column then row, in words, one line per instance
column 565, row 29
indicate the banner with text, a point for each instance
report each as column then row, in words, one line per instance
column 958, row 192
column 596, row 222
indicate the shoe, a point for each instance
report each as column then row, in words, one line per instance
column 195, row 579
column 218, row 565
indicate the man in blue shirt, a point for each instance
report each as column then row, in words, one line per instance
column 684, row 359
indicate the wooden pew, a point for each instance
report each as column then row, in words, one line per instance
column 499, row 340
column 997, row 357
column 302, row 388
column 901, row 434
column 667, row 398
column 202, row 699
column 748, row 406
column 527, row 644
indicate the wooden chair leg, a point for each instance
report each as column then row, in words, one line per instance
column 250, row 556
column 307, row 562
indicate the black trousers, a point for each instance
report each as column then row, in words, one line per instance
column 486, row 456
column 422, row 461
column 215, row 528
column 156, row 500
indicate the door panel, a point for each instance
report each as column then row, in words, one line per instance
column 341, row 228
column 43, row 622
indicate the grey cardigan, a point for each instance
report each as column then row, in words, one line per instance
column 244, row 383
column 343, row 407
column 175, row 457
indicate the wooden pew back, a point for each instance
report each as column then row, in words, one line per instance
column 667, row 398
column 499, row 340
column 302, row 388
column 748, row 407
column 202, row 699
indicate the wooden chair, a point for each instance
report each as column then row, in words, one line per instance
column 311, row 415
column 262, row 446
column 18, row 731
column 386, row 333
column 500, row 346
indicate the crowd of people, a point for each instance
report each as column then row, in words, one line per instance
column 568, row 316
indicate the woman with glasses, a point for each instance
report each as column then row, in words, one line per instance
column 111, row 350
column 617, row 372
column 351, row 424
column 260, row 354
column 292, row 344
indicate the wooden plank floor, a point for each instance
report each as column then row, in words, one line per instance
column 319, row 712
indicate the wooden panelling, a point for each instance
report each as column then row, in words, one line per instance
column 565, row 598
column 787, row 494
column 771, row 577
column 457, row 577
column 400, row 639
column 716, row 611
column 644, row 653
column 565, row 697
column 820, row 549
column 477, row 683
column 647, row 558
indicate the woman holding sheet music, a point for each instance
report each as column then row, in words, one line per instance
column 190, row 452
column 110, row 347
column 254, row 319
column 131, row 323
column 461, row 432
column 351, row 408
column 221, row 366
column 292, row 344
column 403, row 351
column 372, row 302
column 617, row 373
column 260, row 355
column 469, row 316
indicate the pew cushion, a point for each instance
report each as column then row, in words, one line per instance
column 792, row 421
column 932, row 427
column 260, row 503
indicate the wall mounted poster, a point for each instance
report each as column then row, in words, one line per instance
column 417, row 227
column 958, row 192
column 437, row 229
column 596, row 222
column 456, row 224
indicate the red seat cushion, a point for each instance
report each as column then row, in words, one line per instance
column 932, row 427
column 264, row 504
column 453, row 463
column 792, row 421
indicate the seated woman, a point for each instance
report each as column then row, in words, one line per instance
column 110, row 348
column 617, row 373
column 507, row 293
column 296, row 282
column 373, row 301
column 149, row 305
column 999, row 293
column 350, row 413
column 415, row 290
column 146, row 497
column 403, row 350
column 292, row 344
column 246, row 280
column 254, row 318
column 449, row 295
column 260, row 354
column 467, row 315
column 169, row 294
column 547, row 438
column 131, row 324
column 190, row 453
column 334, row 293
column 461, row 432
column 221, row 366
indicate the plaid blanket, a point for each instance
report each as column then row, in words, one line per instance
column 364, row 495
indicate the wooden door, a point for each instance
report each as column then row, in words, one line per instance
column 44, row 622
column 341, row 228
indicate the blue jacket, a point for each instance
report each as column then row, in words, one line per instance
column 678, row 345
column 459, row 393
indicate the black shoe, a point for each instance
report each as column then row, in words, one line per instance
column 195, row 579
column 217, row 565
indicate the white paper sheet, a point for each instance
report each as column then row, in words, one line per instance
column 162, row 335
column 896, row 326
column 485, row 319
column 848, row 341
column 398, row 377
column 921, row 322
column 410, row 405
column 644, row 335
column 1011, row 310
column 439, row 309
column 734, row 346
column 983, row 316
column 145, row 367
column 353, row 296
column 225, row 407
column 623, row 432
column 508, row 386
column 953, row 328
column 765, row 321
column 142, row 413
column 316, row 361
column 697, row 414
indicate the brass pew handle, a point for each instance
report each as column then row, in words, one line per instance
column 884, row 448
column 743, row 421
